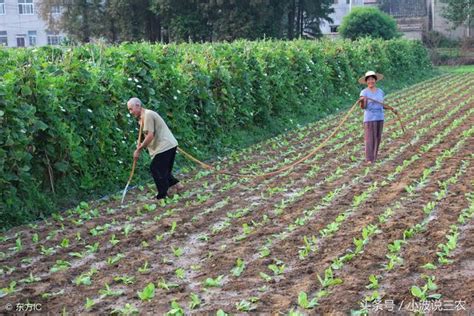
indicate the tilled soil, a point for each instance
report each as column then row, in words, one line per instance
column 263, row 221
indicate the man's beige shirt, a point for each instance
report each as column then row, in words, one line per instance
column 163, row 139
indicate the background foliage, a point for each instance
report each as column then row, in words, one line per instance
column 66, row 134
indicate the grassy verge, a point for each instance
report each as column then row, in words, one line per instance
column 457, row 69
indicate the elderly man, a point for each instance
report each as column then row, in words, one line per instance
column 161, row 146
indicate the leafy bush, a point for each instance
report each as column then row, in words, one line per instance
column 368, row 21
column 66, row 134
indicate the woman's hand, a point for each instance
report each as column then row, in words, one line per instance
column 362, row 102
column 393, row 110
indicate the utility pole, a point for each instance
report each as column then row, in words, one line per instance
column 469, row 19
column 432, row 15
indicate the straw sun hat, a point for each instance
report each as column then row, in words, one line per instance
column 370, row 73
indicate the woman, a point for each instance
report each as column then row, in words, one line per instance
column 373, row 114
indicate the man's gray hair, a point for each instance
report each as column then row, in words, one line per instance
column 135, row 102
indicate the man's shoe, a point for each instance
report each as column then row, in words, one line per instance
column 160, row 197
column 178, row 187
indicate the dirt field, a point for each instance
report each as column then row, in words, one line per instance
column 395, row 236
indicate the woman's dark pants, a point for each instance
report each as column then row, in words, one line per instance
column 373, row 137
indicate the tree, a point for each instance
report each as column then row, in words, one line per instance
column 305, row 17
column 368, row 21
column 459, row 12
column 114, row 20
column 80, row 19
column 184, row 19
column 132, row 21
column 249, row 19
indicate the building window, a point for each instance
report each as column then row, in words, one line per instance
column 56, row 9
column 370, row 1
column 348, row 1
column 53, row 39
column 334, row 28
column 3, row 38
column 2, row 7
column 20, row 40
column 32, row 38
column 25, row 7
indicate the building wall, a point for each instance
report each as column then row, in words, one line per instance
column 406, row 8
column 341, row 9
column 18, row 26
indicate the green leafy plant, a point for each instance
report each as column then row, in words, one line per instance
column 176, row 310
column 115, row 259
column 178, row 252
column 107, row 291
column 423, row 293
column 245, row 306
column 127, row 230
column 277, row 268
column 127, row 309
column 60, row 266
column 239, row 267
column 89, row 303
column 374, row 283
column 166, row 286
column 113, row 240
column 46, row 251
column 125, row 279
column 329, row 279
column 216, row 282
column 93, row 248
column 7, row 290
column 148, row 292
column 180, row 273
column 195, row 301
column 305, row 303
column 145, row 268
column 264, row 252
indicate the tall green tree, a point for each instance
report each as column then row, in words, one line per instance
column 80, row 19
column 184, row 20
column 459, row 12
column 305, row 17
column 114, row 20
column 132, row 20
column 249, row 19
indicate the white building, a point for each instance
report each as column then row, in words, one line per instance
column 341, row 9
column 413, row 17
column 21, row 25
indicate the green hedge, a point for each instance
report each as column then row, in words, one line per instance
column 64, row 123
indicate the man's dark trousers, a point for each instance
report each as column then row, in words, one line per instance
column 161, row 168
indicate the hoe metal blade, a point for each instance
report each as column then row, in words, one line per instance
column 124, row 192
